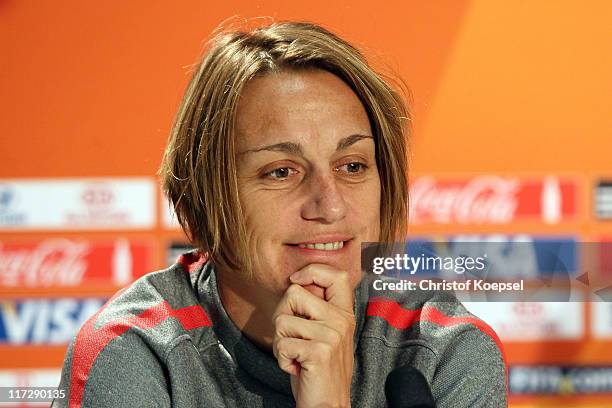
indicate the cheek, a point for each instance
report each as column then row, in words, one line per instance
column 267, row 222
column 266, row 218
column 258, row 223
column 366, row 207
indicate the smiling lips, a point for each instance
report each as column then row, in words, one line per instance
column 324, row 246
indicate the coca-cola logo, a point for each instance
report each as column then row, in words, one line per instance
column 52, row 262
column 98, row 196
column 483, row 199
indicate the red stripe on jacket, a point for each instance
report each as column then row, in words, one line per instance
column 90, row 342
column 402, row 319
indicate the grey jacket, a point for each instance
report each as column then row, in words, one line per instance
column 166, row 340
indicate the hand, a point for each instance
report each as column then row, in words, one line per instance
column 313, row 339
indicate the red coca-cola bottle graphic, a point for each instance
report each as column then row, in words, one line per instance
column 122, row 263
column 550, row 200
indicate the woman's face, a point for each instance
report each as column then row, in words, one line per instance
column 307, row 175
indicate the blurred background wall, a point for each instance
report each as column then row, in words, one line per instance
column 512, row 141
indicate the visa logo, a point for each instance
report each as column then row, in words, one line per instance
column 44, row 321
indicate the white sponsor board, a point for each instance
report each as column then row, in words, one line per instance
column 64, row 204
column 532, row 321
column 30, row 378
column 21, row 378
column 603, row 199
column 601, row 320
column 560, row 380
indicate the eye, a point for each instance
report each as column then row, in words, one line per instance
column 281, row 173
column 353, row 168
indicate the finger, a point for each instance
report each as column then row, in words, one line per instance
column 297, row 327
column 309, row 355
column 316, row 290
column 338, row 290
column 299, row 301
column 306, row 354
column 289, row 352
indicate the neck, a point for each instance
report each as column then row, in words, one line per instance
column 250, row 309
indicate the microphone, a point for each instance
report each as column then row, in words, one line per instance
column 406, row 387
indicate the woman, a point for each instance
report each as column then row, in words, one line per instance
column 288, row 153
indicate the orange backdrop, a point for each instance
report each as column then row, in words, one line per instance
column 507, row 88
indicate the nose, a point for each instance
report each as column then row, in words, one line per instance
column 324, row 200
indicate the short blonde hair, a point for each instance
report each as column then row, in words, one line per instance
column 198, row 172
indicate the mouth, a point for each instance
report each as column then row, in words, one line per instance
column 337, row 251
column 324, row 244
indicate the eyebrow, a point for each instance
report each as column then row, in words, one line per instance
column 296, row 148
